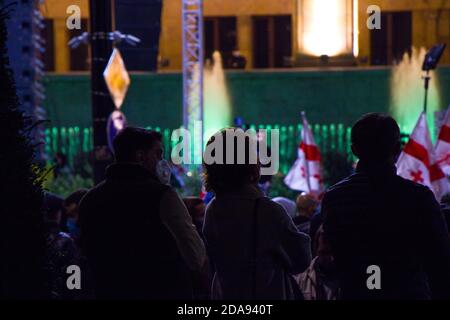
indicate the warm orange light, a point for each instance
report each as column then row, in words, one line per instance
column 324, row 27
column 355, row 28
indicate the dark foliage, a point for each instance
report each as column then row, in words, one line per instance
column 22, row 246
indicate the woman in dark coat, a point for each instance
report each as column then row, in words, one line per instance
column 252, row 242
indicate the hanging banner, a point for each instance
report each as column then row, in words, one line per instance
column 117, row 78
column 116, row 122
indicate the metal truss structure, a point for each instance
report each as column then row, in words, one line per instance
column 193, row 53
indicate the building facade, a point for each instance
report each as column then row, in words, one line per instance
column 274, row 34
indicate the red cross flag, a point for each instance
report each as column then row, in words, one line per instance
column 306, row 173
column 417, row 161
column 442, row 150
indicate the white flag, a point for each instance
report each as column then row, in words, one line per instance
column 306, row 173
column 417, row 161
column 442, row 150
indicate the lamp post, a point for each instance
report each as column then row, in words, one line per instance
column 102, row 38
column 102, row 105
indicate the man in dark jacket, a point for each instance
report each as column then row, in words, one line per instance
column 135, row 230
column 376, row 218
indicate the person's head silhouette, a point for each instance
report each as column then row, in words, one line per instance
column 376, row 139
column 139, row 146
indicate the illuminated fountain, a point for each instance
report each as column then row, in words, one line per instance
column 217, row 106
column 216, row 112
column 407, row 92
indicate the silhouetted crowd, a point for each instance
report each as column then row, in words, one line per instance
column 134, row 237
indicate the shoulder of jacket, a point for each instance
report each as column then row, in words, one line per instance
column 268, row 203
column 418, row 189
column 344, row 184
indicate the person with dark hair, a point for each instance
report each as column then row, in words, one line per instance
column 136, row 232
column 71, row 212
column 252, row 242
column 376, row 220
column 61, row 167
column 306, row 206
column 61, row 249
column 53, row 204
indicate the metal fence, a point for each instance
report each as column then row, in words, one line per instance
column 76, row 143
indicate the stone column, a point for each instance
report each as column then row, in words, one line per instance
column 245, row 38
column 62, row 50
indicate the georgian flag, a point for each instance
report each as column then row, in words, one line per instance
column 306, row 173
column 417, row 161
column 442, row 150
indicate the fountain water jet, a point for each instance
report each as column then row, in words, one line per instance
column 407, row 92
column 217, row 106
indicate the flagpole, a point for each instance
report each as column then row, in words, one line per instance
column 308, row 183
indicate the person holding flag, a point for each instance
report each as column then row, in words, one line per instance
column 417, row 161
column 306, row 173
